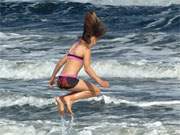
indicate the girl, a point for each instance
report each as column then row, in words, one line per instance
column 79, row 55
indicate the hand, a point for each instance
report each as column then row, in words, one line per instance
column 104, row 84
column 51, row 82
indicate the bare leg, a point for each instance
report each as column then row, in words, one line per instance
column 69, row 100
column 60, row 105
column 60, row 102
column 83, row 90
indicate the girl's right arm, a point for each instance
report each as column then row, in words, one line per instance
column 90, row 71
column 60, row 63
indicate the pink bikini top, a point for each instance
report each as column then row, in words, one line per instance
column 73, row 57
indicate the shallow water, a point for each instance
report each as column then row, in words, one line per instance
column 139, row 55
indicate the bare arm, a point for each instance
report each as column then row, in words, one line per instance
column 60, row 63
column 88, row 69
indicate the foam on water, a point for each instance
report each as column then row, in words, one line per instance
column 136, row 70
column 25, row 70
column 38, row 127
column 114, row 2
column 145, row 41
column 28, row 42
column 43, row 69
column 42, row 127
column 131, row 2
column 112, row 100
column 11, row 100
column 172, row 20
column 4, row 36
column 12, row 40
column 11, row 35
column 125, row 128
column 16, row 36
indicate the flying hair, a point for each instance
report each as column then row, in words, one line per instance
column 93, row 26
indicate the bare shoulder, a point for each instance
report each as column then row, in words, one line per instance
column 86, row 49
column 76, row 47
column 83, row 48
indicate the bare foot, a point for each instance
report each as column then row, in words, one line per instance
column 60, row 105
column 68, row 102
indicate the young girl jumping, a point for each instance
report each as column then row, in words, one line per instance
column 79, row 56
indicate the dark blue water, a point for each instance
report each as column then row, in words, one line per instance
column 139, row 55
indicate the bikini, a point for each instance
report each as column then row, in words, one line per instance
column 66, row 81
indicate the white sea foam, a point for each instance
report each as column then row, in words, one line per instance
column 48, row 127
column 110, row 68
column 11, row 35
column 131, row 2
column 125, row 128
column 12, row 40
column 38, row 127
column 155, row 23
column 136, row 69
column 25, row 70
column 5, row 36
column 115, row 2
column 26, row 41
column 160, row 21
column 171, row 20
column 12, row 100
column 111, row 100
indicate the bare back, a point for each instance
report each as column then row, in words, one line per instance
column 71, row 66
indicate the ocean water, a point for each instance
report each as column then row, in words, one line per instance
column 139, row 55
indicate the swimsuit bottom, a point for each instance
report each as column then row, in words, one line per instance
column 67, row 82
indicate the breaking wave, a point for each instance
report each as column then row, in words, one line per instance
column 112, row 68
column 12, row 100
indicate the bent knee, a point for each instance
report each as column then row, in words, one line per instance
column 97, row 92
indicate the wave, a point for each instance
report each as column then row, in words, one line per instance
column 25, row 70
column 12, row 127
column 111, row 100
column 6, row 36
column 129, row 2
column 163, row 23
column 172, row 22
column 11, row 35
column 125, row 128
column 11, row 40
column 111, row 2
column 111, row 68
column 42, row 127
column 124, row 18
column 12, row 100
column 137, row 69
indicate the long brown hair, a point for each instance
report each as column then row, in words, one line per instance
column 93, row 26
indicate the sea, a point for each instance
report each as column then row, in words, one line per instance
column 139, row 56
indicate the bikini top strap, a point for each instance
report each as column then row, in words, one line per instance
column 73, row 47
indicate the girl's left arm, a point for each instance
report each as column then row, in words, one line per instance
column 60, row 63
